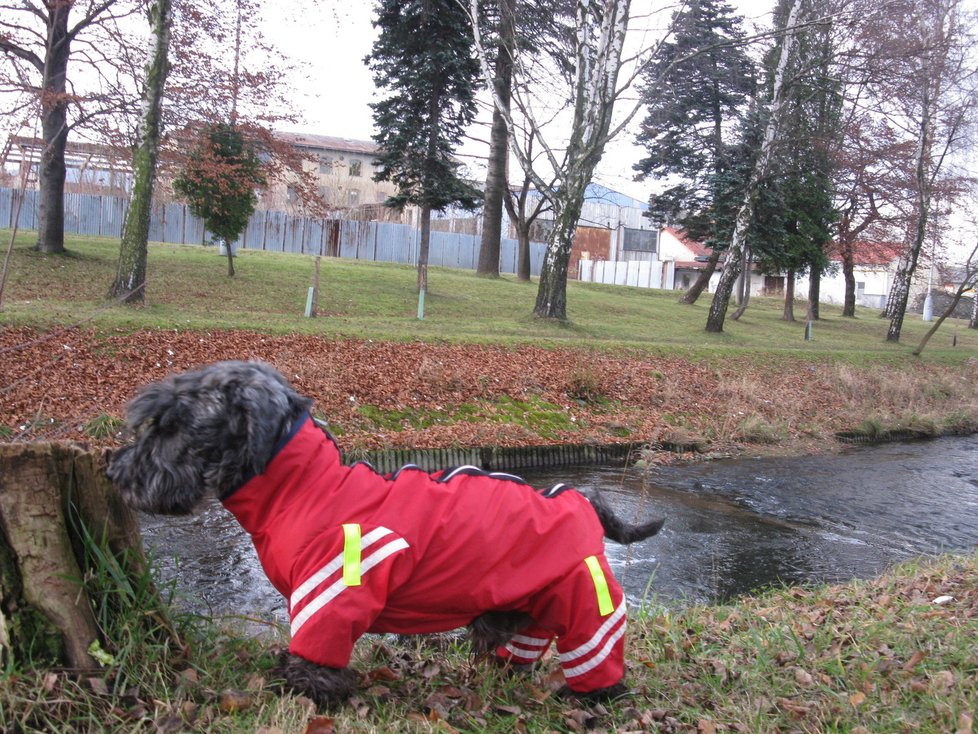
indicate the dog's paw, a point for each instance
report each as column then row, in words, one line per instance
column 599, row 695
column 327, row 687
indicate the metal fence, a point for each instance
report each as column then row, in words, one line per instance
column 274, row 231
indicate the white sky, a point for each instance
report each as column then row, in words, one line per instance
column 334, row 90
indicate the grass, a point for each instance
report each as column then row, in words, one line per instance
column 187, row 288
column 868, row 656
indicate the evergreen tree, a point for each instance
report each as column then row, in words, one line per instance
column 423, row 60
column 219, row 182
column 795, row 214
column 694, row 108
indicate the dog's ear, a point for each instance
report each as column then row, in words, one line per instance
column 260, row 408
column 161, row 470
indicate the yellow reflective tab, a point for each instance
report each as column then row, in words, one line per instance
column 605, row 605
column 351, row 555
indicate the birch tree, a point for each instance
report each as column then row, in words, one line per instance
column 735, row 256
column 600, row 28
column 130, row 280
column 969, row 281
column 933, row 93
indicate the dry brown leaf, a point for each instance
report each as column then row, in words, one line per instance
column 804, row 678
column 383, row 673
column 232, row 701
column 915, row 660
column 320, row 725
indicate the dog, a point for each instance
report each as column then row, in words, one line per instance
column 354, row 551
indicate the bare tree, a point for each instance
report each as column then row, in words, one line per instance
column 38, row 41
column 496, row 175
column 969, row 280
column 929, row 90
column 600, row 29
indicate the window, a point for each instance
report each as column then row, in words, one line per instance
column 641, row 240
column 355, row 167
column 325, row 164
column 353, row 197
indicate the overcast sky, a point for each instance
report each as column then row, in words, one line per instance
column 335, row 88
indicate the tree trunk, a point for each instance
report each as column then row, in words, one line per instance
column 923, row 180
column 55, row 501
column 745, row 276
column 496, row 176
column 947, row 312
column 690, row 297
column 973, row 324
column 424, row 243
column 814, row 293
column 552, row 294
column 789, row 297
column 130, row 279
column 848, row 273
column 523, row 254
column 229, row 251
column 54, row 131
column 600, row 36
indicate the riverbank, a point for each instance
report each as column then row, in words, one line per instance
column 892, row 654
column 73, row 384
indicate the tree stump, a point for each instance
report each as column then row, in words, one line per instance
column 55, row 499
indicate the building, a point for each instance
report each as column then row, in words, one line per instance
column 344, row 168
column 90, row 168
column 875, row 266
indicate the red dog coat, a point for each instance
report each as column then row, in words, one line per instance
column 355, row 551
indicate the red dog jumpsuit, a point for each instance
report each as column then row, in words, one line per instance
column 355, row 551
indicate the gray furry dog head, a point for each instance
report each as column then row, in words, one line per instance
column 203, row 433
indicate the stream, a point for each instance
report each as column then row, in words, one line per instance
column 732, row 526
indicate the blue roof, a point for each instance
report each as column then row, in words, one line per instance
column 597, row 192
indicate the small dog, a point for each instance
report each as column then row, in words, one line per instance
column 355, row 551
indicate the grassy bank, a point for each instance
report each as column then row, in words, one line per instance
column 187, row 288
column 887, row 655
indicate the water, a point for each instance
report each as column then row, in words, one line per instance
column 731, row 526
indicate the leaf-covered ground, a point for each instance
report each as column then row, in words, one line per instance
column 896, row 654
column 74, row 384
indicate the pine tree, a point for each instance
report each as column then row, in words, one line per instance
column 694, row 109
column 423, row 60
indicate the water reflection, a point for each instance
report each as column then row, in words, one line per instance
column 732, row 526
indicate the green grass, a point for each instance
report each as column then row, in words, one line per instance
column 188, row 288
column 868, row 656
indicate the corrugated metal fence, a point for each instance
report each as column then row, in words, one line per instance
column 274, row 231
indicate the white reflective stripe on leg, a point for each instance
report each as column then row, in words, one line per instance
column 338, row 587
column 596, row 638
column 530, row 640
column 333, row 566
column 594, row 662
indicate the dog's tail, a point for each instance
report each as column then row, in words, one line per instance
column 615, row 528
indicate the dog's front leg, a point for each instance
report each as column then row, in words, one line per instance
column 325, row 686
